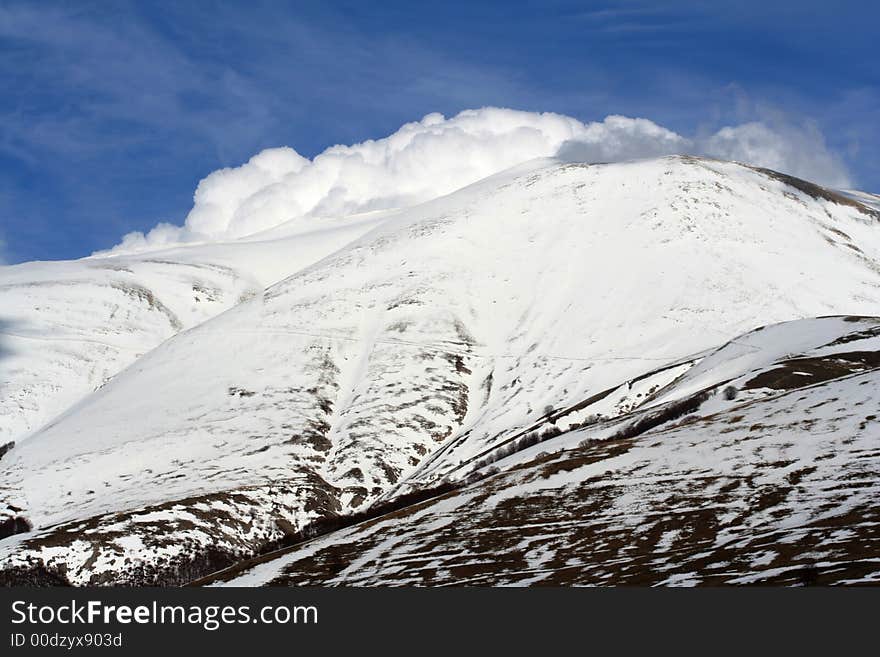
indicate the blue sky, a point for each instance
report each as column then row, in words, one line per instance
column 111, row 112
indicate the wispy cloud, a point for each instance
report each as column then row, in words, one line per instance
column 87, row 82
column 620, row 11
column 628, row 19
column 97, row 86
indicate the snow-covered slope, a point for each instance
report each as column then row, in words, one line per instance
column 552, row 293
column 67, row 327
column 782, row 489
column 761, row 464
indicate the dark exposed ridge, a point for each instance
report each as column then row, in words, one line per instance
column 817, row 191
column 330, row 524
column 799, row 372
column 667, row 413
column 6, row 447
column 34, row 576
column 14, row 525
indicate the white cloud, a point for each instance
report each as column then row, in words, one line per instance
column 797, row 150
column 436, row 155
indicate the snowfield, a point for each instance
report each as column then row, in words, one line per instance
column 570, row 352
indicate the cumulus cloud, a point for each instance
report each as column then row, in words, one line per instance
column 435, row 156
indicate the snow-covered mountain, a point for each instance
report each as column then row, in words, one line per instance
column 171, row 413
column 776, row 482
